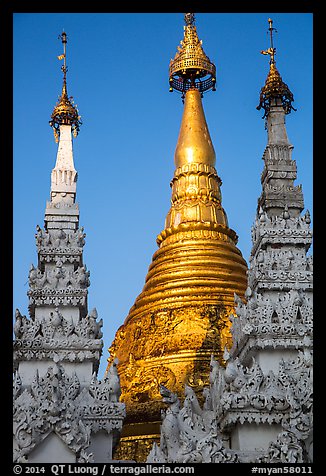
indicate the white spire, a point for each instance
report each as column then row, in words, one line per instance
column 275, row 124
column 64, row 174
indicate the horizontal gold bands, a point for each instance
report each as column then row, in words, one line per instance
column 181, row 357
column 184, row 294
column 195, row 226
column 196, row 263
column 192, row 61
column 192, row 235
column 188, row 248
column 140, row 431
column 200, row 168
column 185, row 278
column 197, row 271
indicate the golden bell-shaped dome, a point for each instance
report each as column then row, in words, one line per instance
column 65, row 113
column 182, row 315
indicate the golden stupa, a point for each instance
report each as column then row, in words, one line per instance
column 181, row 317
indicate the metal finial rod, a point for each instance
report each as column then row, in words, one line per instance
column 272, row 49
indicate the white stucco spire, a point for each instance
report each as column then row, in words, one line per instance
column 280, row 171
column 275, row 124
column 64, row 174
column 62, row 411
column 65, row 121
column 62, row 211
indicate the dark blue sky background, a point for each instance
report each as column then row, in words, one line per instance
column 118, row 76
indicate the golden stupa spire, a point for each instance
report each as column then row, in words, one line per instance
column 196, row 196
column 192, row 71
column 274, row 90
column 181, row 317
column 65, row 111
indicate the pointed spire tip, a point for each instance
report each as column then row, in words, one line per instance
column 65, row 111
column 191, row 68
column 274, row 88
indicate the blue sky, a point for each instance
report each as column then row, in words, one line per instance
column 118, row 76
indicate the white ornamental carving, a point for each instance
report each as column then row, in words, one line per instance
column 189, row 434
column 57, row 403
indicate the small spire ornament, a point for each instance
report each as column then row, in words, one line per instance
column 274, row 88
column 270, row 51
column 65, row 111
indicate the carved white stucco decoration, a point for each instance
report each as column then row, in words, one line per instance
column 53, row 335
column 59, row 403
column 238, row 394
column 57, row 350
column 189, row 434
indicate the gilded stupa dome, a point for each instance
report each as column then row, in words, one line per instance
column 182, row 315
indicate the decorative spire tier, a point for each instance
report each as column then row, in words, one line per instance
column 280, row 170
column 65, row 111
column 275, row 91
column 62, row 213
column 59, row 404
column 273, row 331
column 181, row 316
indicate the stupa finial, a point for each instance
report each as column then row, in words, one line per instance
column 189, row 18
column 271, row 50
column 275, row 90
column 191, row 68
column 65, row 111
column 64, row 69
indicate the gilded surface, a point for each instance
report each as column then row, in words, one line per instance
column 172, row 347
column 191, row 54
column 163, row 346
column 135, row 448
column 181, row 317
column 191, row 67
column 194, row 144
column 275, row 88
